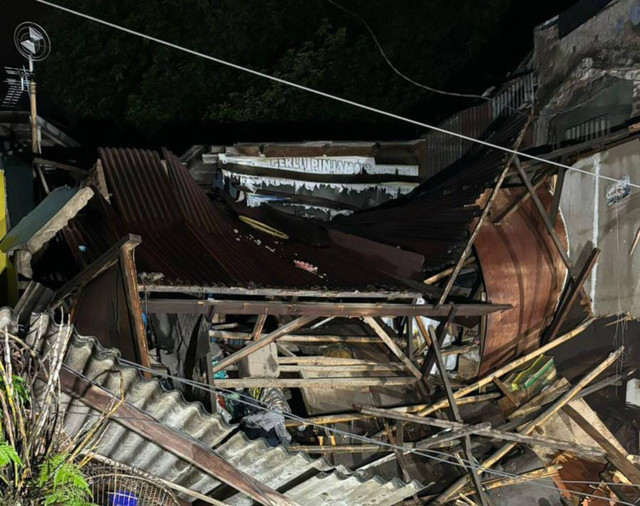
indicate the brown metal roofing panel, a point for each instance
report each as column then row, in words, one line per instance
column 140, row 187
column 520, row 265
column 191, row 241
column 434, row 219
column 193, row 202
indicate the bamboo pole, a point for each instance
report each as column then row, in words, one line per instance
column 509, row 367
column 447, row 272
column 537, row 474
column 582, row 450
column 379, row 330
column 265, row 341
column 529, row 427
column 325, row 382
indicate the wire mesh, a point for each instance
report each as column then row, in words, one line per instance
column 114, row 486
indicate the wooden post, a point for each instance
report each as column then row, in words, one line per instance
column 101, row 264
column 572, row 295
column 545, row 218
column 481, row 220
column 184, row 447
column 430, row 359
column 528, row 428
column 257, row 329
column 130, row 281
column 617, row 459
column 261, row 343
column 557, row 193
column 466, row 440
column 517, row 203
column 378, row 329
column 509, row 367
column 426, row 337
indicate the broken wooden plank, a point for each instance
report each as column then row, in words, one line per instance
column 330, row 370
column 517, row 203
column 378, row 329
column 550, row 394
column 452, row 435
column 177, row 443
column 361, row 448
column 353, row 416
column 63, row 166
column 130, row 281
column 530, row 426
column 483, row 216
column 443, row 328
column 574, row 290
column 613, row 455
column 447, row 272
column 328, row 382
column 317, row 309
column 304, row 338
column 557, row 193
column 261, row 343
column 257, row 329
column 510, row 366
column 101, row 264
column 536, row 474
column 582, row 450
column 466, row 440
column 545, row 218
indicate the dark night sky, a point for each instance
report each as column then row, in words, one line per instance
column 508, row 40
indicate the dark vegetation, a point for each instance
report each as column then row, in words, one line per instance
column 111, row 87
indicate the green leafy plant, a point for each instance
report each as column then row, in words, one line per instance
column 8, row 454
column 39, row 464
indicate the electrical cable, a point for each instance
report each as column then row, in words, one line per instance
column 328, row 95
column 420, row 452
column 393, row 67
column 453, row 93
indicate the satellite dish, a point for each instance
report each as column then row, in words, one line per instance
column 32, row 41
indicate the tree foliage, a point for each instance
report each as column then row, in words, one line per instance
column 99, row 73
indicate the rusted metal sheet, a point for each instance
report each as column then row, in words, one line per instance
column 191, row 241
column 520, row 265
column 434, row 219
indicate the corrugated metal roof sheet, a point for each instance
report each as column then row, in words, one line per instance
column 193, row 242
column 434, row 219
column 320, row 485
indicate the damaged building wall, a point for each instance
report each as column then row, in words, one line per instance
column 612, row 35
column 586, row 67
column 605, row 214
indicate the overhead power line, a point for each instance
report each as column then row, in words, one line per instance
column 327, row 95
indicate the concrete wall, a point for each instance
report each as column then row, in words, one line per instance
column 611, row 36
column 614, row 285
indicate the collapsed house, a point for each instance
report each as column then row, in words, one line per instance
column 342, row 318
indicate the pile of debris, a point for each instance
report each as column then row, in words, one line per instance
column 416, row 346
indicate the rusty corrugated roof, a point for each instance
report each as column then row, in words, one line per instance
column 191, row 241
